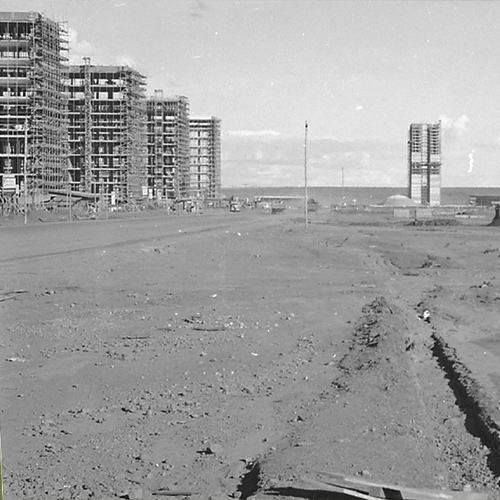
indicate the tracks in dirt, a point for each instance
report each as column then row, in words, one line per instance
column 24, row 243
column 481, row 416
column 453, row 428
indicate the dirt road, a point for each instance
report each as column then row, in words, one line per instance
column 228, row 355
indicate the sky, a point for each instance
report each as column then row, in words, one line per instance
column 359, row 72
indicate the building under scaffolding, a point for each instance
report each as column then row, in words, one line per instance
column 205, row 157
column 33, row 105
column 424, row 163
column 168, row 146
column 107, row 132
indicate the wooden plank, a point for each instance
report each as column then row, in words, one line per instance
column 395, row 492
column 321, row 486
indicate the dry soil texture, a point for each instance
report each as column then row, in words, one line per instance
column 230, row 355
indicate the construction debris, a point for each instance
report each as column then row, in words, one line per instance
column 367, row 490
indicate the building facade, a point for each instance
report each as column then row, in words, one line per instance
column 205, row 158
column 107, row 132
column 90, row 129
column 168, row 147
column 33, row 103
column 424, row 163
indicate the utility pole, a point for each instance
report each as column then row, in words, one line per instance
column 305, row 176
column 343, row 195
column 68, row 191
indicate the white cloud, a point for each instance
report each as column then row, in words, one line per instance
column 461, row 124
column 198, row 9
column 253, row 133
column 454, row 128
column 471, row 162
column 125, row 60
column 277, row 160
column 78, row 49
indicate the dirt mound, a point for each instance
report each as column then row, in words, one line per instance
column 496, row 219
column 435, row 222
column 377, row 341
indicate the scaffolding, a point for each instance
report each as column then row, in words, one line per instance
column 168, row 147
column 87, row 148
column 204, row 180
column 107, row 132
column 33, row 106
column 424, row 163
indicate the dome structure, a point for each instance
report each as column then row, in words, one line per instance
column 399, row 200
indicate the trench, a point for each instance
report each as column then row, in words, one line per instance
column 472, row 401
column 250, row 480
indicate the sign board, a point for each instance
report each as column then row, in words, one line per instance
column 9, row 182
column 144, row 191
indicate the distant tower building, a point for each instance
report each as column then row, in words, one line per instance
column 424, row 163
column 107, row 131
column 33, row 102
column 205, row 168
column 168, row 146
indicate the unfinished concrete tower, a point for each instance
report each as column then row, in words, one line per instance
column 168, row 147
column 205, row 167
column 107, row 132
column 33, row 103
column 424, row 163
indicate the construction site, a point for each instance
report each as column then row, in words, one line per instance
column 107, row 129
column 424, row 163
column 282, row 349
column 205, row 154
column 168, row 147
column 33, row 108
column 88, row 133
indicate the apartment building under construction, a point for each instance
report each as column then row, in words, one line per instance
column 33, row 104
column 107, row 132
column 168, row 147
column 424, row 163
column 205, row 157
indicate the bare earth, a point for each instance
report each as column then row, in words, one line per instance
column 233, row 355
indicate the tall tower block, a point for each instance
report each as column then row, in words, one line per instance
column 424, row 163
column 168, row 146
column 33, row 102
column 205, row 157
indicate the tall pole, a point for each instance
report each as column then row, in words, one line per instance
column 305, row 177
column 25, row 170
column 343, row 195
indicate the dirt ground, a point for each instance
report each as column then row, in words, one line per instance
column 224, row 355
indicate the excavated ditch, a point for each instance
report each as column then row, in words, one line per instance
column 250, row 481
column 398, row 393
column 482, row 416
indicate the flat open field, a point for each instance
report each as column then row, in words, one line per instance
column 231, row 355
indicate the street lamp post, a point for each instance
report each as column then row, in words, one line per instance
column 305, row 176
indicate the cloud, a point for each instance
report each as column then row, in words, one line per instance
column 471, row 162
column 453, row 129
column 197, row 9
column 268, row 158
column 125, row 60
column 252, row 133
column 78, row 49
